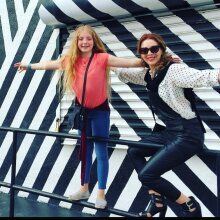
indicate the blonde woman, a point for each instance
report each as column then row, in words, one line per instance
column 85, row 42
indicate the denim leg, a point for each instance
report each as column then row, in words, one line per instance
column 89, row 151
column 100, row 128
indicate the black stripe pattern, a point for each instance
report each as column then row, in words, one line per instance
column 50, row 164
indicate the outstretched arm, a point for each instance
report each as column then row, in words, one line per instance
column 133, row 75
column 114, row 61
column 44, row 65
column 185, row 77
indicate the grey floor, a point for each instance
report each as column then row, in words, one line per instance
column 27, row 208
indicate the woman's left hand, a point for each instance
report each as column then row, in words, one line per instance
column 176, row 59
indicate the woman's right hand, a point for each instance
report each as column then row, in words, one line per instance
column 21, row 67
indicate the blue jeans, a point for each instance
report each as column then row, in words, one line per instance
column 98, row 123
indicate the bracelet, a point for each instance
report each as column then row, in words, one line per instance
column 29, row 66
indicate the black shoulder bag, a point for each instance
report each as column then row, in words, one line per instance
column 76, row 117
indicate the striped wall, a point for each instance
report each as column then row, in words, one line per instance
column 28, row 100
column 31, row 100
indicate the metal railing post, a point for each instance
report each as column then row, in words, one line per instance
column 13, row 174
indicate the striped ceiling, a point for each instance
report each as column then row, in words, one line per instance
column 31, row 101
column 73, row 12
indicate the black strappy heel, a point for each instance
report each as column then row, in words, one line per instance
column 153, row 209
column 189, row 206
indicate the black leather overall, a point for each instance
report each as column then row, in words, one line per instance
column 181, row 140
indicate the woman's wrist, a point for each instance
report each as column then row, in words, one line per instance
column 29, row 66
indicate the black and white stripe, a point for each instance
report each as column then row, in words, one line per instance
column 28, row 100
column 191, row 30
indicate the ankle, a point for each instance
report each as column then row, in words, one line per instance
column 191, row 208
column 100, row 196
column 157, row 205
column 84, row 189
column 189, row 205
column 158, row 200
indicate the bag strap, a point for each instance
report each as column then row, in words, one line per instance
column 199, row 118
column 152, row 110
column 190, row 96
column 85, row 79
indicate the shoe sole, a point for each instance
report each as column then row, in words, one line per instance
column 78, row 199
column 101, row 207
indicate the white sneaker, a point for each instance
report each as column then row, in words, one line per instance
column 100, row 203
column 79, row 195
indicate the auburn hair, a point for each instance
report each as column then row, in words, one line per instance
column 165, row 57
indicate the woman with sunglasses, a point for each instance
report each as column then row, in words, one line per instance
column 182, row 137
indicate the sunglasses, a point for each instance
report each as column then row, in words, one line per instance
column 153, row 49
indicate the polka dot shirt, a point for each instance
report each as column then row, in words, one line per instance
column 170, row 90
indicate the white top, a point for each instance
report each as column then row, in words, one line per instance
column 170, row 90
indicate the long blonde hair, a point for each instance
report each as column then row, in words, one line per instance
column 73, row 53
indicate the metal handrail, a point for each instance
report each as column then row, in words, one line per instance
column 65, row 199
column 14, row 187
column 134, row 144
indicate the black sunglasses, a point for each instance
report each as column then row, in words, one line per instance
column 153, row 49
